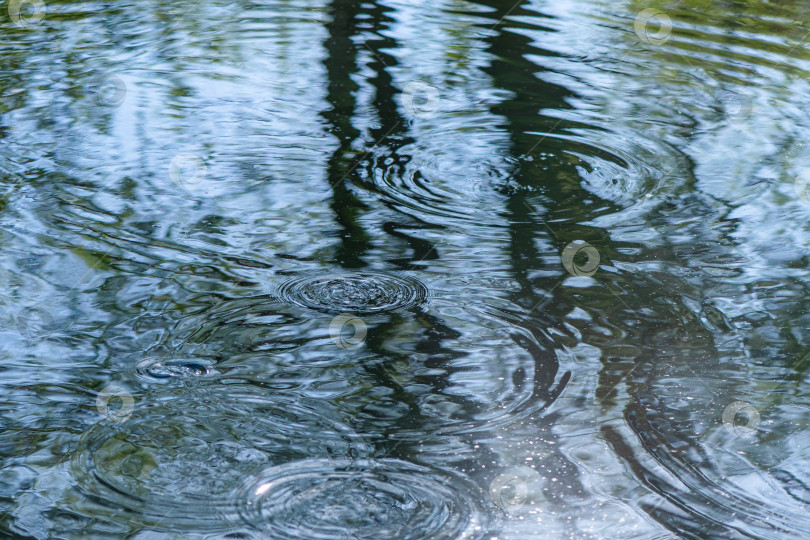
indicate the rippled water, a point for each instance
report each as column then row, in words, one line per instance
column 470, row 269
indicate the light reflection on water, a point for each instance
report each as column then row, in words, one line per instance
column 363, row 270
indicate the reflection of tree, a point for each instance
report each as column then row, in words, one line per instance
column 346, row 166
column 513, row 71
column 341, row 65
column 344, row 170
column 388, row 136
column 556, row 179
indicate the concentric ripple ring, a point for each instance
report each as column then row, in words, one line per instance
column 156, row 368
column 363, row 499
column 181, row 461
column 358, row 293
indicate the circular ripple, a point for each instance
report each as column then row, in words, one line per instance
column 385, row 498
column 180, row 463
column 156, row 368
column 493, row 369
column 357, row 293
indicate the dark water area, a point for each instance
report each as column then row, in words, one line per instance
column 369, row 270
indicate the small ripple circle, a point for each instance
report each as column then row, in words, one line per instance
column 180, row 461
column 157, row 368
column 358, row 293
column 361, row 499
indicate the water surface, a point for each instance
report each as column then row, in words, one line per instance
column 473, row 269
